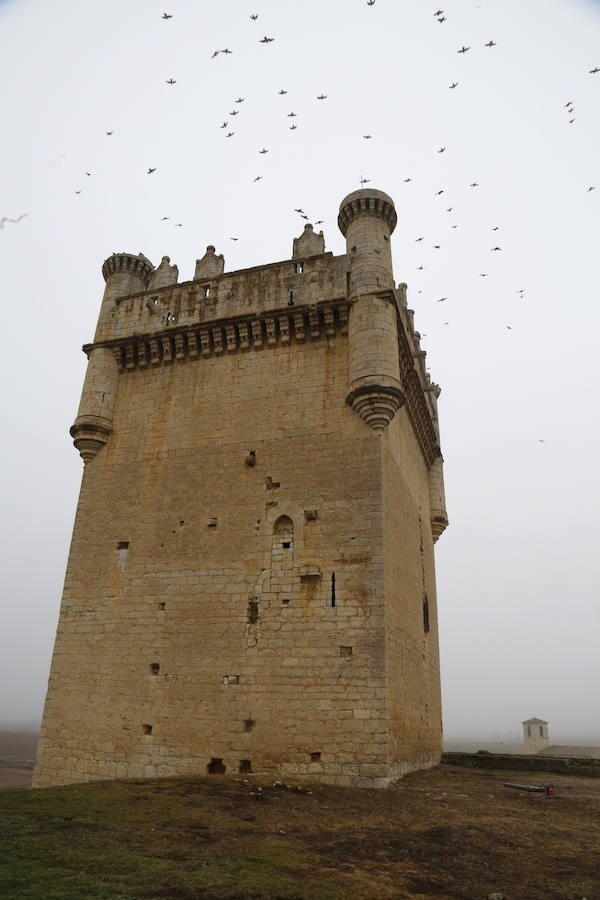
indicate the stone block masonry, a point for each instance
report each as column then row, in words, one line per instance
column 250, row 585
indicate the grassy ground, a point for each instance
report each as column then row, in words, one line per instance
column 447, row 833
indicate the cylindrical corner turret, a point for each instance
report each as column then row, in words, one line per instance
column 367, row 219
column 437, row 499
column 124, row 274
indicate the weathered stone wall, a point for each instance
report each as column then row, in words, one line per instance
column 173, row 484
column 414, row 712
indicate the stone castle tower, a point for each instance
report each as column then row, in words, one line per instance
column 251, row 585
column 535, row 735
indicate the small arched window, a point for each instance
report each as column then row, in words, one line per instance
column 283, row 533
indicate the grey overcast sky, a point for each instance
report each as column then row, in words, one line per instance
column 518, row 586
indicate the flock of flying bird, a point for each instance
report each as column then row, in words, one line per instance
column 440, row 16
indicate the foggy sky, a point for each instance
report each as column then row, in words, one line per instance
column 517, row 573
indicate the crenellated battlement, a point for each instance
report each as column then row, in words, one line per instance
column 128, row 264
column 241, row 292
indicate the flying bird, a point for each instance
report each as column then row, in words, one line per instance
column 263, row 150
column 496, row 248
column 301, row 211
column 483, row 274
column 591, row 188
column 418, row 239
column 441, row 300
column 172, row 81
column 319, row 221
column 571, row 121
column 594, row 71
column 225, row 124
column 254, row 16
column 109, row 133
column 282, row 91
column 150, row 171
column 453, row 85
column 166, row 16
column 436, row 246
column 441, row 150
column 541, row 441
column 463, row 49
column 322, row 97
column 364, row 180
column 293, row 127
column 442, row 19
column 234, row 112
column 77, row 192
column 18, row 219
column 291, row 115
column 437, row 193
column 226, row 50
column 474, row 184
column 419, row 268
column 496, row 228
column 266, row 40
column 509, row 327
column 490, row 44
column 570, row 103
column 88, row 173
column 450, row 208
column 230, row 134
column 440, row 12
column 234, row 239
column 164, row 218
column 367, row 137
column 258, row 178
column 178, row 224
column 304, row 217
column 370, row 2
column 216, row 53
column 406, row 180
column 240, row 99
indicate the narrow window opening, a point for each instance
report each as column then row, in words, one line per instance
column 207, row 290
column 425, row 614
column 333, row 588
column 161, row 604
column 252, row 614
column 231, row 679
column 212, row 523
column 345, row 651
column 147, row 729
column 245, row 766
column 541, row 731
column 154, row 668
column 529, row 731
column 216, row 767
column 299, row 267
column 286, row 545
column 291, row 299
column 248, row 724
column 123, row 545
column 315, row 756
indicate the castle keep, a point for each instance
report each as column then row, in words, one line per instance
column 250, row 584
